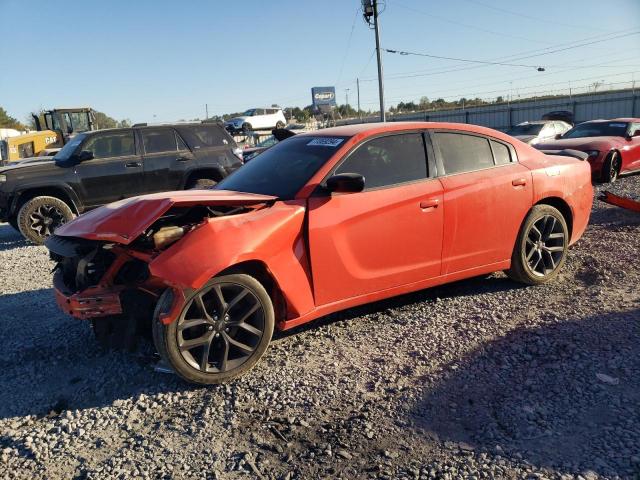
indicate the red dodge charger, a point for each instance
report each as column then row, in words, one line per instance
column 320, row 222
column 613, row 146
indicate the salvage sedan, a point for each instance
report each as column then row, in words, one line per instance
column 319, row 223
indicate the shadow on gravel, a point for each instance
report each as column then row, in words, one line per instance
column 10, row 238
column 565, row 396
column 51, row 362
column 493, row 283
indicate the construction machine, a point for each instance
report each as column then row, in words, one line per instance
column 54, row 128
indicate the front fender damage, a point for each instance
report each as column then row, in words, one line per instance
column 272, row 236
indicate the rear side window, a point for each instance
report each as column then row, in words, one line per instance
column 204, row 136
column 116, row 144
column 158, row 140
column 388, row 160
column 500, row 153
column 463, row 153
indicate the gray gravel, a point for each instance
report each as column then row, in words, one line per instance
column 479, row 379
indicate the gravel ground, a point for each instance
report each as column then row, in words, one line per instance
column 478, row 379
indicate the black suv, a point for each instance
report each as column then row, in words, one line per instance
column 103, row 166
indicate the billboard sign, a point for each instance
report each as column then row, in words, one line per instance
column 323, row 96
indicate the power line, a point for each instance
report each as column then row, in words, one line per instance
column 403, row 52
column 530, row 17
column 609, row 37
column 473, row 27
column 346, row 52
column 515, row 57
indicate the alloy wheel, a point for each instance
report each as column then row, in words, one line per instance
column 220, row 328
column 45, row 219
column 545, row 245
column 613, row 167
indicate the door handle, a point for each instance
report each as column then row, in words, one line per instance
column 429, row 204
column 182, row 159
column 519, row 182
column 133, row 164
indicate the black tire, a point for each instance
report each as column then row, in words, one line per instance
column 214, row 325
column 247, row 128
column 541, row 247
column 279, row 125
column 611, row 168
column 201, row 183
column 39, row 217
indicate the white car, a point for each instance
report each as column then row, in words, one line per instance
column 539, row 131
column 257, row 119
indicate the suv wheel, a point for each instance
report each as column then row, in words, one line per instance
column 39, row 217
column 201, row 183
column 279, row 125
column 247, row 128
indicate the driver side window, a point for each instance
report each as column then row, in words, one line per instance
column 106, row 145
column 388, row 160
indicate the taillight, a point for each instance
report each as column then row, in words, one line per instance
column 238, row 153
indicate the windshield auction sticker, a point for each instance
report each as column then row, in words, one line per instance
column 326, row 142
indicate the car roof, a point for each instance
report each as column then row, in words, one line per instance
column 626, row 120
column 368, row 129
column 142, row 127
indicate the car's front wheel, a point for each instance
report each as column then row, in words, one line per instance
column 223, row 330
column 39, row 217
column 541, row 247
column 247, row 128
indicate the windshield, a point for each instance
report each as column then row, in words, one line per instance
column 529, row 129
column 66, row 151
column 285, row 168
column 249, row 113
column 598, row 129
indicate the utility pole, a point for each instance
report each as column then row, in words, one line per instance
column 346, row 92
column 206, row 111
column 370, row 9
column 358, row 87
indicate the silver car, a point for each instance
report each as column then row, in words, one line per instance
column 539, row 131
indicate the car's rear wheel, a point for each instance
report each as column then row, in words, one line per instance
column 611, row 168
column 39, row 217
column 223, row 330
column 541, row 247
column 279, row 125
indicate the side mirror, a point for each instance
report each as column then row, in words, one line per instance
column 558, row 136
column 636, row 133
column 345, row 183
column 85, row 155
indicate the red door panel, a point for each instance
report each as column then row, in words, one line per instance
column 373, row 240
column 483, row 211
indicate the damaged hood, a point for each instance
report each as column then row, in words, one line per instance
column 124, row 221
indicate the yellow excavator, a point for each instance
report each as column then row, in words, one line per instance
column 60, row 124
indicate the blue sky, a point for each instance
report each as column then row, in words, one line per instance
column 163, row 60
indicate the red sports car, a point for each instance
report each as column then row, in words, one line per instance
column 613, row 146
column 319, row 223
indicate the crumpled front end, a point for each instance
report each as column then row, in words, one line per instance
column 103, row 258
